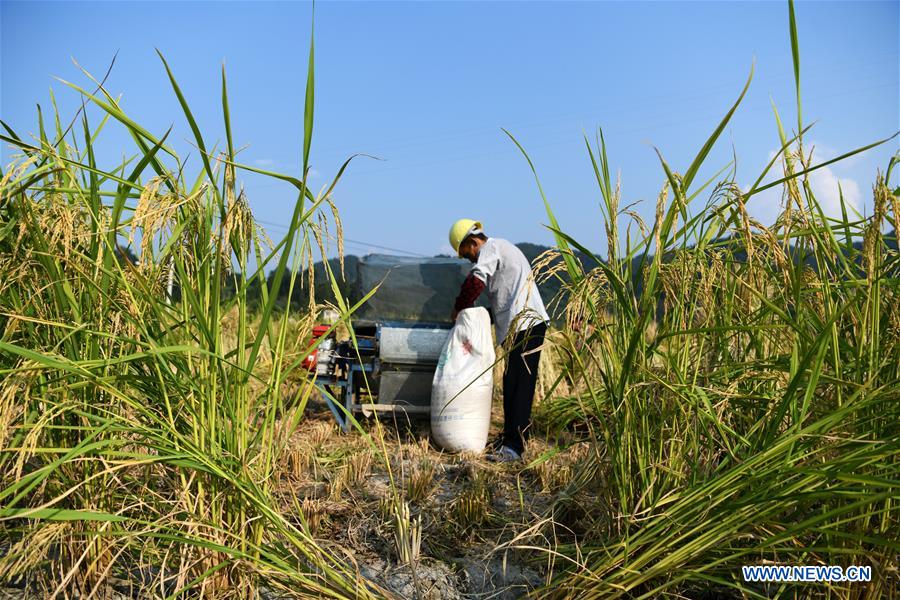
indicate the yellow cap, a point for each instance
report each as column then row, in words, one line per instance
column 461, row 230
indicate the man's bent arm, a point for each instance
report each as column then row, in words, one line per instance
column 468, row 294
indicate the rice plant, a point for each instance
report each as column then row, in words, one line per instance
column 738, row 383
column 143, row 409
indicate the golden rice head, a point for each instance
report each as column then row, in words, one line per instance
column 895, row 207
column 12, row 174
column 238, row 228
column 786, row 218
column 793, row 187
column 590, row 293
column 812, row 286
column 661, row 200
column 229, row 183
column 157, row 213
column 550, row 366
column 32, row 439
column 65, row 226
column 149, row 213
column 639, row 221
column 311, row 278
column 320, row 232
column 746, row 232
column 15, row 395
column 893, row 329
column 776, row 250
column 339, row 232
column 873, row 237
column 674, row 285
column 20, row 272
column 611, row 226
column 713, row 277
column 548, row 264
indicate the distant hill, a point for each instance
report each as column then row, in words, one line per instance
column 349, row 287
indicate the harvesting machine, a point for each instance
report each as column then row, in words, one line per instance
column 388, row 363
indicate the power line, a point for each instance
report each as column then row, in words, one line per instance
column 388, row 248
column 354, row 242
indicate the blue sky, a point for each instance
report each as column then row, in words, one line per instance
column 427, row 87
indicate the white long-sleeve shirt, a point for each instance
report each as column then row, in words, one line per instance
column 511, row 288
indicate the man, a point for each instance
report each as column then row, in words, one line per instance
column 518, row 310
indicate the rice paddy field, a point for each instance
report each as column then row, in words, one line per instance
column 716, row 393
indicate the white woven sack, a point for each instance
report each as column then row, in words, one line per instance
column 463, row 384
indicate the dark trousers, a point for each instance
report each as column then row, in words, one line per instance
column 519, row 381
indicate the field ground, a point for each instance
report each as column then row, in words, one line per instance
column 467, row 507
column 471, row 510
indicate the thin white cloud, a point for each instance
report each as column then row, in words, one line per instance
column 264, row 162
column 827, row 187
column 825, row 184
